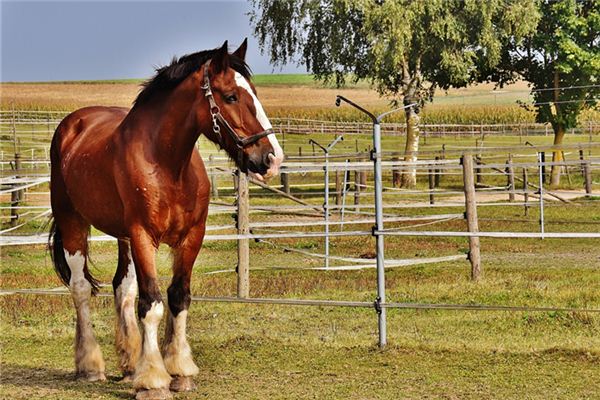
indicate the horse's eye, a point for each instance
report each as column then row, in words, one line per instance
column 232, row 98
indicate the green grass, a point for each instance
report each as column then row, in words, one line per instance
column 255, row 351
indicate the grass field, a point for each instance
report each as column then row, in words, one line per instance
column 295, row 352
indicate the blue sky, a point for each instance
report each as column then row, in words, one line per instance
column 87, row 40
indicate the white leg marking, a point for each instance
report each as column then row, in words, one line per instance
column 177, row 351
column 128, row 338
column 261, row 116
column 150, row 373
column 89, row 363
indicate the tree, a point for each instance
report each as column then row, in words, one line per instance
column 406, row 48
column 561, row 60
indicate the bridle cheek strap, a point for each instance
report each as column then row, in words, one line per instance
column 217, row 117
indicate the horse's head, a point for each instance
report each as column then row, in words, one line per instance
column 239, row 123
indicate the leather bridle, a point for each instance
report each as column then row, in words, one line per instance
column 217, row 117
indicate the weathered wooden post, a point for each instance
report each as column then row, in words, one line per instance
column 511, row 178
column 543, row 162
column 357, row 187
column 431, row 185
column 338, row 188
column 213, row 177
column 285, row 182
column 471, row 216
column 243, row 228
column 16, row 195
column 587, row 167
column 479, row 176
column 526, row 191
column 438, row 173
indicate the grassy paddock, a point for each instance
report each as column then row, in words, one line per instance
column 257, row 351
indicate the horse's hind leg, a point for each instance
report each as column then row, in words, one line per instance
column 71, row 261
column 128, row 338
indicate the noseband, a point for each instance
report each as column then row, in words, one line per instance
column 215, row 113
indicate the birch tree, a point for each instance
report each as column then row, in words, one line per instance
column 406, row 49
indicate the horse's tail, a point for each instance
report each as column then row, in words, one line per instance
column 57, row 254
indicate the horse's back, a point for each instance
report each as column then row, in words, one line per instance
column 87, row 125
column 82, row 173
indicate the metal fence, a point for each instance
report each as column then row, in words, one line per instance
column 377, row 218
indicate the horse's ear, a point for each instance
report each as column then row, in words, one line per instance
column 220, row 60
column 241, row 51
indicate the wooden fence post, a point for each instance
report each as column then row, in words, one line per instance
column 478, row 175
column 338, row 188
column 543, row 166
column 525, row 191
column 213, row 177
column 471, row 215
column 243, row 228
column 438, row 174
column 17, row 195
column 587, row 167
column 285, row 182
column 431, row 185
column 357, row 187
column 511, row 178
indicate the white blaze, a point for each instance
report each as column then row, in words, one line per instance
column 261, row 116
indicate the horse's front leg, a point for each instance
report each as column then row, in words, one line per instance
column 151, row 380
column 176, row 350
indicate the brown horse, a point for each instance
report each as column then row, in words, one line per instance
column 137, row 175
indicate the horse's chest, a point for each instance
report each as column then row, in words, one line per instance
column 172, row 214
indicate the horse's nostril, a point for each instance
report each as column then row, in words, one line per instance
column 267, row 159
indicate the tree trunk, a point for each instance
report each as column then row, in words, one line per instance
column 409, row 174
column 559, row 133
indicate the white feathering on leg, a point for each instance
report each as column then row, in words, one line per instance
column 150, row 373
column 177, row 352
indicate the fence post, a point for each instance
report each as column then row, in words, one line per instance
column 357, row 187
column 479, row 176
column 431, row 185
column 526, row 191
column 285, row 182
column 213, row 177
column 543, row 164
column 587, row 167
column 243, row 228
column 16, row 195
column 338, row 188
column 511, row 178
column 438, row 174
column 471, row 216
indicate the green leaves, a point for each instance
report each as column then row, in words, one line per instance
column 404, row 47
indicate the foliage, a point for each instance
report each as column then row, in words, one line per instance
column 561, row 60
column 406, row 48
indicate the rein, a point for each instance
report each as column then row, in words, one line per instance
column 217, row 117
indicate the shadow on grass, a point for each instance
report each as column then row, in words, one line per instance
column 39, row 382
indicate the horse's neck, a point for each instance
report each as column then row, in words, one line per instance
column 168, row 129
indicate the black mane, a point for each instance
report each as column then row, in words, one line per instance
column 168, row 77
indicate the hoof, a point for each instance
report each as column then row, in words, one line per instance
column 153, row 394
column 127, row 378
column 182, row 384
column 91, row 376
